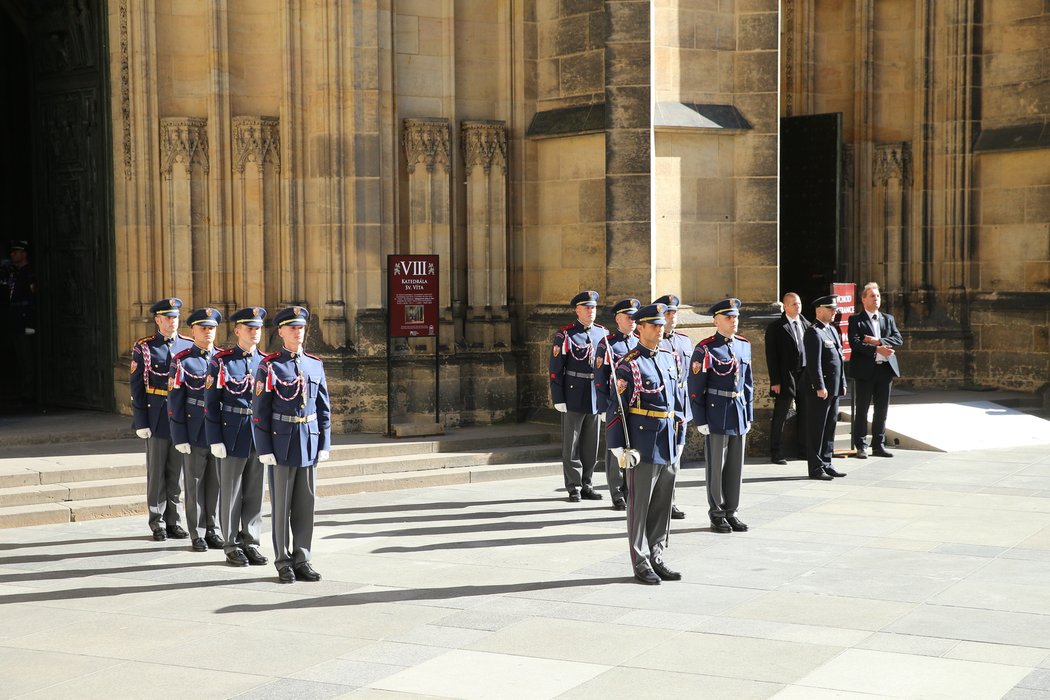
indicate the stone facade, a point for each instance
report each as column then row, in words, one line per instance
column 276, row 151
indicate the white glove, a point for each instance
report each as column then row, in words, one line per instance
column 268, row 460
column 627, row 459
column 32, row 331
column 601, row 417
column 704, row 429
column 617, row 453
column 183, row 447
column 323, row 455
column 219, row 450
column 561, row 407
column 144, row 433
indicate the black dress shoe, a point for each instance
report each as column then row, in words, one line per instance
column 619, row 504
column 775, row 459
column 720, row 525
column 285, row 575
column 664, row 573
column 236, row 558
column 159, row 535
column 305, row 572
column 861, row 453
column 831, row 471
column 820, row 476
column 199, row 544
column 736, row 523
column 254, row 556
column 677, row 514
column 574, row 496
column 214, row 541
column 176, row 532
column 646, row 575
column 590, row 495
column 881, row 453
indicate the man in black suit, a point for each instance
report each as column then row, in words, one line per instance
column 873, row 336
column 786, row 362
column 826, row 380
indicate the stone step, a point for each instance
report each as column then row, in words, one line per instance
column 133, row 504
column 444, row 460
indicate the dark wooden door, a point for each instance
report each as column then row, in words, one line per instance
column 73, row 241
column 810, row 204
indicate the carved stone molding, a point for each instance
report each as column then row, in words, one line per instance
column 256, row 140
column 485, row 144
column 426, row 141
column 892, row 161
column 125, row 92
column 847, row 165
column 183, row 140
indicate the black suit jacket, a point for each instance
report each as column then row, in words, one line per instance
column 824, row 368
column 862, row 360
column 782, row 354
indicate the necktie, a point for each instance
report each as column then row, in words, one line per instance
column 795, row 332
column 299, row 374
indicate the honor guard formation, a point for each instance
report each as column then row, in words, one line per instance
column 215, row 418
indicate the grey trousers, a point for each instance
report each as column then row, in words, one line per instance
column 292, row 495
column 202, row 492
column 240, row 500
column 650, row 488
column 725, row 471
column 163, row 472
column 613, row 476
column 579, row 448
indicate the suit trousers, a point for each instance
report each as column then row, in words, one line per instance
column 240, row 500
column 821, row 421
column 650, row 488
column 781, row 407
column 202, row 491
column 163, row 474
column 875, row 390
column 579, row 448
column 292, row 495
column 725, row 472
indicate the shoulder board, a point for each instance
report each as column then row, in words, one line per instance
column 182, row 353
column 567, row 326
column 680, row 333
column 144, row 340
column 223, row 353
column 600, row 326
column 185, row 337
column 706, row 341
column 740, row 337
column 668, row 351
column 313, row 356
column 271, row 356
column 611, row 336
column 631, row 356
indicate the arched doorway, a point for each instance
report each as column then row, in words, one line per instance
column 56, row 188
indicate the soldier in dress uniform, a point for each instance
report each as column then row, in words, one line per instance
column 613, row 347
column 150, row 360
column 574, row 359
column 826, row 379
column 293, row 432
column 682, row 347
column 650, row 401
column 187, row 382
column 721, row 390
column 228, row 393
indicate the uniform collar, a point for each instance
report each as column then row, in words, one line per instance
column 646, row 352
column 724, row 339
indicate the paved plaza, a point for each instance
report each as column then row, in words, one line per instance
column 924, row 576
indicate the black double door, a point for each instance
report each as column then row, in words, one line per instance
column 56, row 188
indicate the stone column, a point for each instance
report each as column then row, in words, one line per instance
column 627, row 152
column 256, row 211
column 183, row 252
column 485, row 158
column 426, row 142
column 890, row 241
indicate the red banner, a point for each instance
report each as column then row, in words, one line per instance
column 845, row 292
column 413, row 295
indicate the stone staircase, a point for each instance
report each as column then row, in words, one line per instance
column 69, row 482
